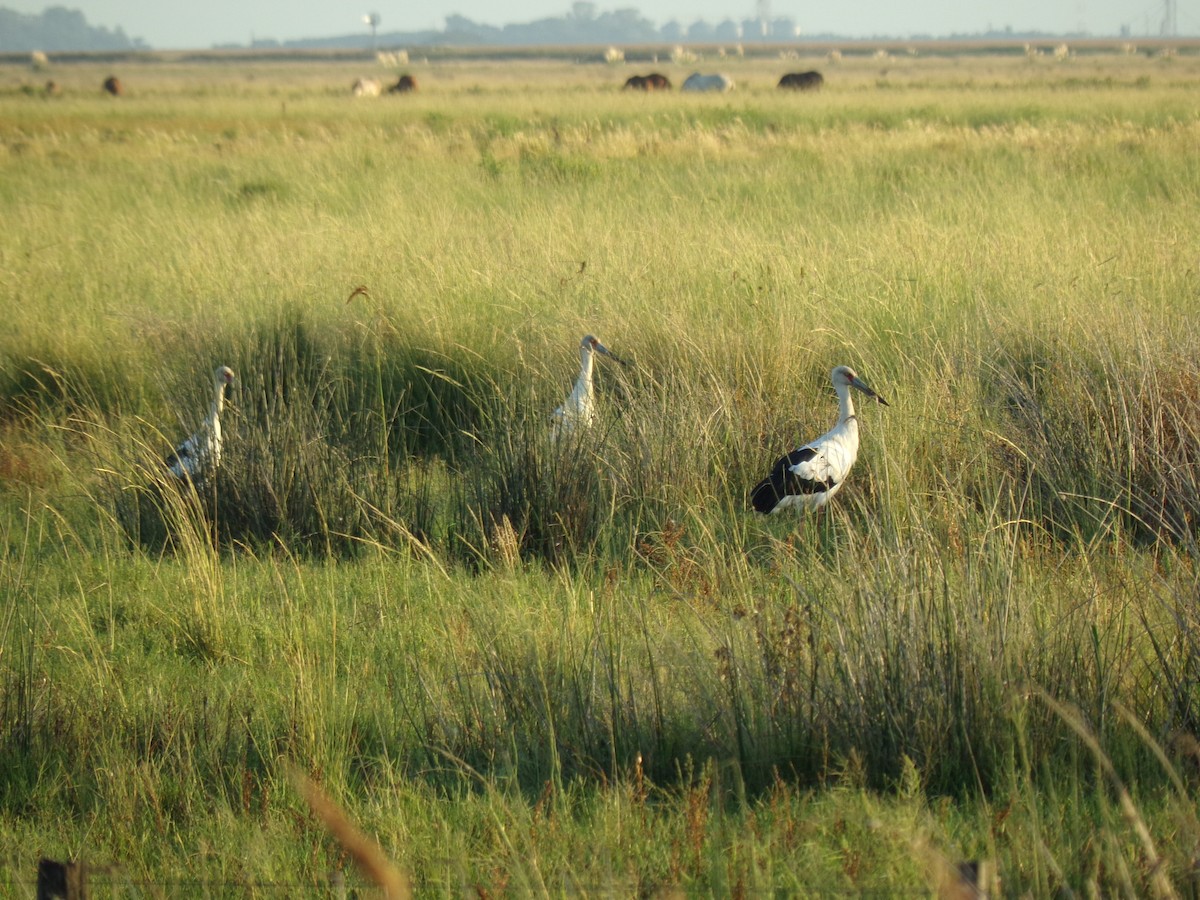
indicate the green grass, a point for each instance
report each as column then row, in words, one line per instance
column 583, row 666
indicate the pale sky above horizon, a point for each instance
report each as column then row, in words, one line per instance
column 167, row 25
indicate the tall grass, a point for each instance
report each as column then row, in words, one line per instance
column 493, row 648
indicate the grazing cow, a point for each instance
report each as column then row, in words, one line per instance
column 802, row 81
column 113, row 85
column 53, row 89
column 404, row 85
column 366, row 87
column 717, row 82
column 652, row 82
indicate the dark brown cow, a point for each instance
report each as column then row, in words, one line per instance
column 112, row 84
column 53, row 89
column 652, row 82
column 404, row 85
column 802, row 81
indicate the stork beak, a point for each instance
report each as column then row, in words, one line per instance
column 602, row 349
column 862, row 386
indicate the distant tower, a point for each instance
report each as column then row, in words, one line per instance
column 1170, row 22
column 764, row 17
column 372, row 20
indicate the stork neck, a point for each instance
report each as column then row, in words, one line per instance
column 218, row 403
column 845, row 404
column 584, row 383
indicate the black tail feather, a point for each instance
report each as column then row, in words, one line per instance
column 766, row 495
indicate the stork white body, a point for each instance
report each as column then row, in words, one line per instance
column 201, row 452
column 808, row 477
column 579, row 409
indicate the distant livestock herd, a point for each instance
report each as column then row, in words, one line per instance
column 715, row 82
column 720, row 83
column 696, row 82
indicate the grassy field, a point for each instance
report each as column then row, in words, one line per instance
column 535, row 668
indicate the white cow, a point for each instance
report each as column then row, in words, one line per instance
column 697, row 82
column 367, row 87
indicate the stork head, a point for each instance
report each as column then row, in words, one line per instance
column 846, row 377
column 223, row 376
column 590, row 344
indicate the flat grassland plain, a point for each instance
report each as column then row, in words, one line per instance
column 525, row 667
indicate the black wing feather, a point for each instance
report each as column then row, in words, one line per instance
column 182, row 454
column 783, row 482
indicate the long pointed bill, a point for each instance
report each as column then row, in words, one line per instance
column 862, row 386
column 602, row 349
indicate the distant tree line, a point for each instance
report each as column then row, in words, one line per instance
column 58, row 28
column 584, row 24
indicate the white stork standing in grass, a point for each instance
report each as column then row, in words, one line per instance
column 810, row 476
column 579, row 410
column 202, row 451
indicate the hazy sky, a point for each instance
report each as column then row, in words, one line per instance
column 170, row 24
